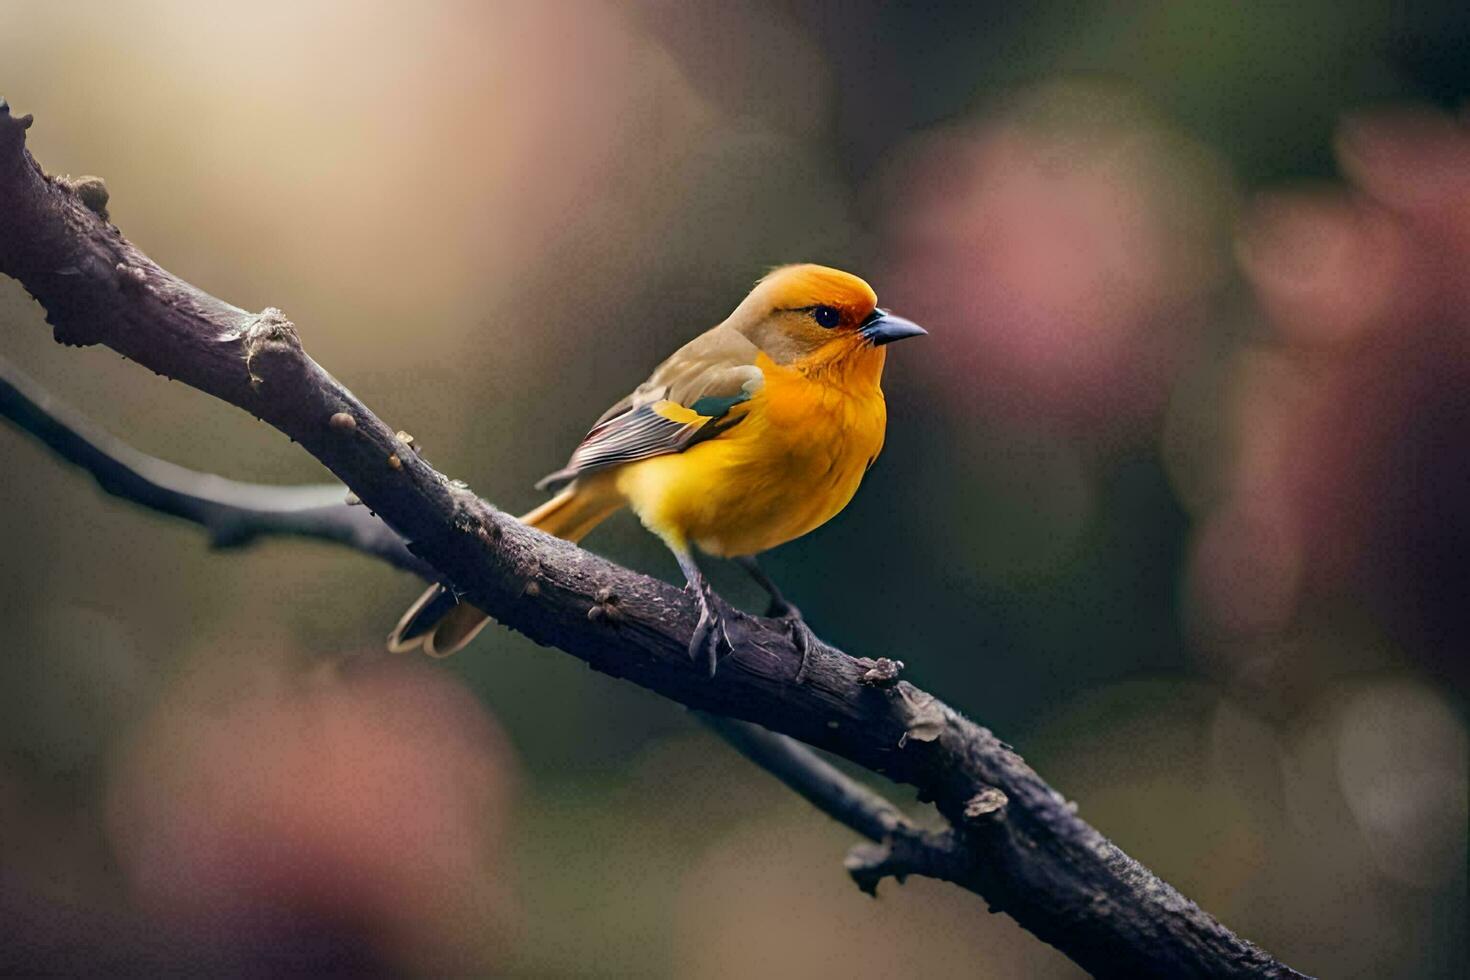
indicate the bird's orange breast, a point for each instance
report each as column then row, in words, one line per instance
column 791, row 464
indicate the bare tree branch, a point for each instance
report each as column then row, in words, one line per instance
column 236, row 514
column 899, row 847
column 233, row 514
column 1032, row 857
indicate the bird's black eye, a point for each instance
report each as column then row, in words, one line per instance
column 826, row 316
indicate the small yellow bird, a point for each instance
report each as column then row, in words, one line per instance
column 749, row 436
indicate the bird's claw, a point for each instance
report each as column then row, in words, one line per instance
column 710, row 634
column 801, row 634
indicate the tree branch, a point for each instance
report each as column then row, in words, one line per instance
column 899, row 847
column 1032, row 857
column 235, row 514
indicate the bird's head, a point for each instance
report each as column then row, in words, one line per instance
column 801, row 312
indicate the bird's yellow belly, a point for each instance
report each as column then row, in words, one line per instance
column 789, row 466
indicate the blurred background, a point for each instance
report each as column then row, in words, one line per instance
column 1174, row 496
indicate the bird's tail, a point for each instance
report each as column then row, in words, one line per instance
column 442, row 625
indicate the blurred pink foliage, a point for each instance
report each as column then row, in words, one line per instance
column 1347, row 477
column 1064, row 247
column 366, row 801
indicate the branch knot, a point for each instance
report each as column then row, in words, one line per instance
column 269, row 333
column 882, row 672
column 985, row 803
column 91, row 191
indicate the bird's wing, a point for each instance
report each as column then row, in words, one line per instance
column 689, row 397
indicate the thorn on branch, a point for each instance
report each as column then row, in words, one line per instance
column 342, row 422
column 394, row 463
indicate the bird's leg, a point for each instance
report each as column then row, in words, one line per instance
column 780, row 608
column 709, row 633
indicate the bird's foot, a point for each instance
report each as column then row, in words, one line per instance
column 710, row 640
column 801, row 634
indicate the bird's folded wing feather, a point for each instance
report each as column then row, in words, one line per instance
column 690, row 397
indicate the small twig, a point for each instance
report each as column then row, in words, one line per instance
column 898, row 847
column 824, row 785
column 905, row 852
column 232, row 513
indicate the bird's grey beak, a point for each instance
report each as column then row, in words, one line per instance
column 882, row 327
